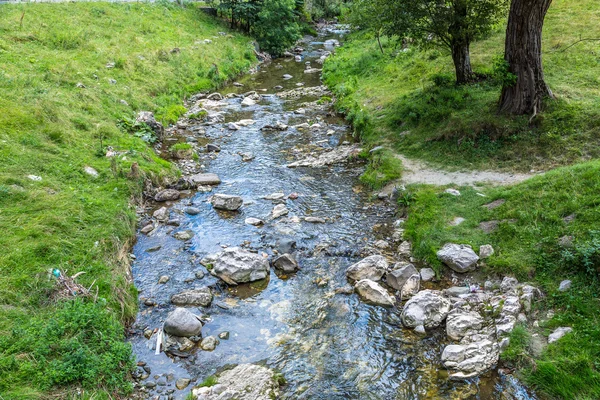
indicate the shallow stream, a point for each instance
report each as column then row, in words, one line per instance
column 327, row 345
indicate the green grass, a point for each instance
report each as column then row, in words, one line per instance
column 527, row 246
column 407, row 100
column 70, row 220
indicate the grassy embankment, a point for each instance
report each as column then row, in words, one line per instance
column 70, row 220
column 407, row 100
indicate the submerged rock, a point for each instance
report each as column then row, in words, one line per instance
column 372, row 267
column 195, row 297
column 459, row 257
column 235, row 265
column 181, row 322
column 279, row 211
column 226, row 202
column 373, row 292
column 286, row 263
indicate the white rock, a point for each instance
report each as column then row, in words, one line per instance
column 486, row 251
column 459, row 323
column 453, row 192
column 91, row 171
column 253, row 221
column 372, row 268
column 374, row 293
column 34, row 178
column 427, row 274
column 279, row 211
column 564, row 285
column 559, row 333
column 235, row 265
column 427, row 308
column 470, row 360
column 459, row 257
column 248, row 102
column 232, row 126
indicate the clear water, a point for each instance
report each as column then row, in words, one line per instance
column 328, row 346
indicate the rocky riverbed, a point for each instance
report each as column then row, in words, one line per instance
column 270, row 267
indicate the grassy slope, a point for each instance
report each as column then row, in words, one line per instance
column 69, row 220
column 406, row 102
column 529, row 250
column 393, row 100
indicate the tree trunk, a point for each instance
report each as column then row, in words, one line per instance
column 523, row 52
column 462, row 61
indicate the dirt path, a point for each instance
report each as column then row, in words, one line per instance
column 416, row 171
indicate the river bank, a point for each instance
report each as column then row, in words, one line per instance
column 73, row 166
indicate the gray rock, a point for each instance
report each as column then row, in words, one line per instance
column 233, row 126
column 195, row 297
column 181, row 322
column 486, row 251
column 411, row 287
column 212, row 148
column 470, row 360
column 564, row 285
column 456, row 291
column 248, row 101
column 427, row 274
column 147, row 229
column 235, row 265
column 459, row 323
column 244, row 382
column 275, row 196
column 373, row 292
column 427, row 308
column 183, row 235
column 453, row 192
column 91, row 171
column 508, row 284
column 286, row 263
column 226, row 202
column 205, row 179
column 163, row 279
column 401, row 273
column 209, row 343
column 459, row 257
column 559, row 333
column 167, row 195
column 314, row 220
column 372, row 267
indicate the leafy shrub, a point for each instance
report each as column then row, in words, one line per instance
column 137, row 129
column 171, row 113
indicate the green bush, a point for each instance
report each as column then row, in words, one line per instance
column 277, row 27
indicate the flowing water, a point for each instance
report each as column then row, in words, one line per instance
column 327, row 345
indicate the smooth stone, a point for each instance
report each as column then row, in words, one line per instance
column 372, row 268
column 461, row 258
column 182, row 322
column 558, row 334
column 373, row 292
column 226, row 202
column 254, row 221
column 564, row 285
column 167, row 195
column 205, row 179
column 427, row 274
column 286, row 263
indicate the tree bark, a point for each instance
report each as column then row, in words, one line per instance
column 462, row 61
column 523, row 52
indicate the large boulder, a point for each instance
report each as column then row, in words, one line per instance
column 373, row 292
column 181, row 322
column 427, row 308
column 461, row 323
column 235, row 265
column 226, row 202
column 469, row 360
column 459, row 257
column 195, row 297
column 244, row 382
column 372, row 267
column 401, row 273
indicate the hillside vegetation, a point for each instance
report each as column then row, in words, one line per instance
column 69, row 73
column 406, row 99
